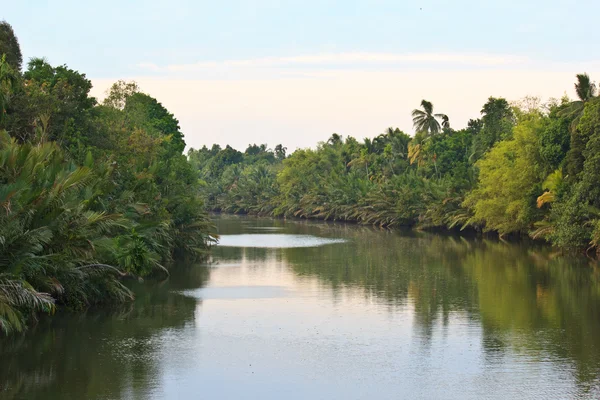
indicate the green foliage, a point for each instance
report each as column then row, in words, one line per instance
column 8, row 78
column 586, row 91
column 48, row 229
column 554, row 141
column 524, row 169
column 577, row 212
column 91, row 195
column 9, row 46
column 370, row 182
column 426, row 122
column 496, row 124
column 509, row 180
column 54, row 99
column 144, row 110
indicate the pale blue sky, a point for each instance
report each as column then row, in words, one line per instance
column 109, row 38
column 207, row 42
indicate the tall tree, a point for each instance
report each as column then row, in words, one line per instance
column 280, row 151
column 497, row 122
column 425, row 120
column 586, row 91
column 335, row 139
column 509, row 180
column 445, row 121
column 146, row 111
column 58, row 94
column 7, row 80
column 9, row 45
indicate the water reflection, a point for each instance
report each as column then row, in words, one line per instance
column 379, row 315
column 274, row 241
column 524, row 296
column 108, row 354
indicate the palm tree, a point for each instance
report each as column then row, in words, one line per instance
column 445, row 121
column 16, row 297
column 363, row 156
column 586, row 90
column 426, row 121
column 584, row 87
column 50, row 237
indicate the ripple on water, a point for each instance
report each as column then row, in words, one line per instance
column 275, row 241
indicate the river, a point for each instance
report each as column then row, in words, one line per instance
column 310, row 310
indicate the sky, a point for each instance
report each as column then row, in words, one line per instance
column 294, row 72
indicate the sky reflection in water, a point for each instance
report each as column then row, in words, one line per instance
column 377, row 315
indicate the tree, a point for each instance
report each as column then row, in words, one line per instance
column 451, row 150
column 9, row 46
column 555, row 139
column 497, row 122
column 144, row 110
column 8, row 79
column 119, row 92
column 59, row 94
column 575, row 214
column 90, row 194
column 586, row 91
column 335, row 139
column 585, row 88
column 445, row 121
column 280, row 152
column 509, row 181
column 426, row 121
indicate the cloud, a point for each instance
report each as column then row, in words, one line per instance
column 355, row 60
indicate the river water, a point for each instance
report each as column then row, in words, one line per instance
column 305, row 310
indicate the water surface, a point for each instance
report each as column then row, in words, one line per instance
column 324, row 311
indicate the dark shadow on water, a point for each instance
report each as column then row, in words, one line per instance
column 101, row 353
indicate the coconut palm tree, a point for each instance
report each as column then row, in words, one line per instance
column 586, row 90
column 584, row 87
column 445, row 121
column 425, row 120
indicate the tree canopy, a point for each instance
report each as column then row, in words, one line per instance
column 92, row 194
column 523, row 168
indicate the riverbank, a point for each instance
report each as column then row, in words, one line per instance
column 520, row 169
column 467, row 233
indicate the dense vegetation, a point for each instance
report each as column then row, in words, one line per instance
column 94, row 193
column 524, row 168
column 90, row 194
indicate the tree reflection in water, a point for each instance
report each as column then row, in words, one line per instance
column 101, row 354
column 518, row 298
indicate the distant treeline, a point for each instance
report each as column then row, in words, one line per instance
column 90, row 194
column 522, row 168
